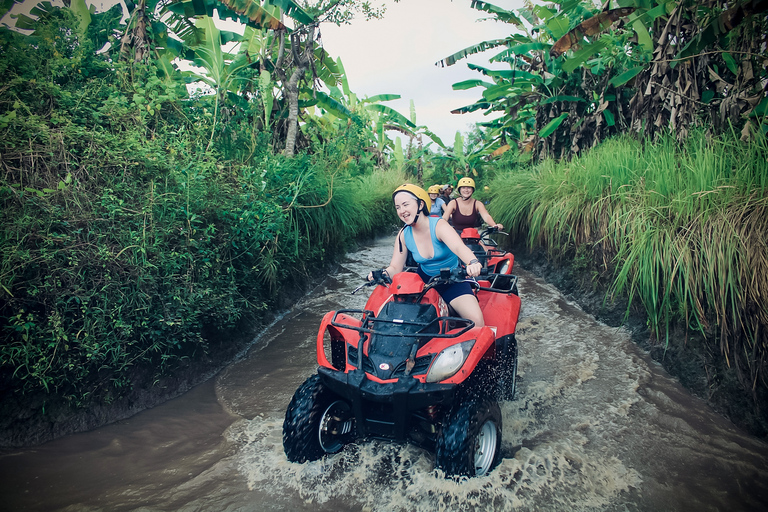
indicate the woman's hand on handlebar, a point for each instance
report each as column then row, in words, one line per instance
column 474, row 269
column 379, row 274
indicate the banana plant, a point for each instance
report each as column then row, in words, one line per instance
column 221, row 68
column 25, row 22
column 536, row 91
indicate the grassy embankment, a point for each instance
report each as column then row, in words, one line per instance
column 683, row 231
column 135, row 228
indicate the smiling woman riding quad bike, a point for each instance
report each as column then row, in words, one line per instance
column 404, row 369
column 465, row 211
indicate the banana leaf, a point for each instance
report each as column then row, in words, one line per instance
column 625, row 76
column 555, row 99
column 256, row 13
column 500, row 91
column 519, row 49
column 471, row 50
column 435, row 138
column 328, row 104
column 391, row 114
column 327, row 69
column 510, row 74
column 499, row 13
column 292, row 10
column 382, row 97
column 581, row 56
column 5, row 6
column 469, row 84
column 553, row 125
column 472, row 108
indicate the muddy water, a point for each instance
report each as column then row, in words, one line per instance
column 596, row 426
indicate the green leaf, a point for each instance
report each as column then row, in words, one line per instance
column 498, row 91
column 469, row 84
column 5, row 6
column 558, row 26
column 553, row 125
column 643, row 37
column 81, row 10
column 292, row 10
column 731, row 63
column 471, row 108
column 610, row 121
column 501, row 14
column 480, row 47
column 761, row 109
column 256, row 13
column 581, row 56
column 333, row 106
column 625, row 76
column 543, row 12
column 555, row 99
column 392, row 115
column 382, row 97
column 509, row 74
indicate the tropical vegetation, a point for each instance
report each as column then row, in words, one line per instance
column 139, row 218
column 633, row 135
column 165, row 179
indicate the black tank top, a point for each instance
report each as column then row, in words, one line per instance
column 461, row 221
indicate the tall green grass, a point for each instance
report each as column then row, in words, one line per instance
column 683, row 229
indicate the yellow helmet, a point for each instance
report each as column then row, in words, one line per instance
column 466, row 182
column 434, row 189
column 417, row 192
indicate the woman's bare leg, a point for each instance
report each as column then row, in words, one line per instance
column 466, row 306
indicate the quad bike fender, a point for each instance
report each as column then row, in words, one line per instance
column 332, row 340
column 501, row 310
column 380, row 296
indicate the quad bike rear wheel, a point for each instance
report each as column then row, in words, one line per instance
column 316, row 422
column 470, row 440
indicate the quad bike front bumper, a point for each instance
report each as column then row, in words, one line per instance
column 388, row 410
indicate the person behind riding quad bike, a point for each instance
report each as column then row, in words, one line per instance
column 445, row 192
column 438, row 203
column 434, row 246
column 464, row 211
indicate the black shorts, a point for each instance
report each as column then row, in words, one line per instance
column 448, row 291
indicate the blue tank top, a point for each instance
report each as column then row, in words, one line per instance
column 443, row 258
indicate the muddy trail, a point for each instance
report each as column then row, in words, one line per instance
column 596, row 425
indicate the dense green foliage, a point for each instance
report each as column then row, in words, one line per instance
column 684, row 230
column 129, row 233
column 575, row 72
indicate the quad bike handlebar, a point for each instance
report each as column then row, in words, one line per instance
column 380, row 276
column 485, row 236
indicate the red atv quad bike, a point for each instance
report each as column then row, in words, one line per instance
column 404, row 370
column 495, row 259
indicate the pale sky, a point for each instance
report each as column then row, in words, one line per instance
column 397, row 55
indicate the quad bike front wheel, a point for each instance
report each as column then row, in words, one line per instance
column 470, row 440
column 316, row 422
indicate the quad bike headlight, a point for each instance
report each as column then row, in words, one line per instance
column 449, row 361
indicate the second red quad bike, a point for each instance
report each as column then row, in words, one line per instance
column 493, row 257
column 404, row 369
